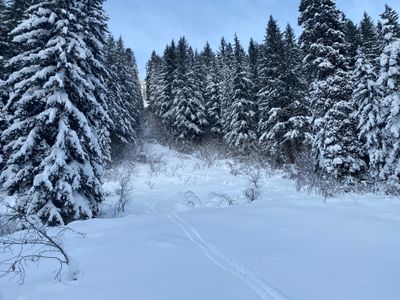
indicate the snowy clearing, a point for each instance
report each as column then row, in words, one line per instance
column 178, row 240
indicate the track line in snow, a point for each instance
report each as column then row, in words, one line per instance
column 259, row 287
column 153, row 208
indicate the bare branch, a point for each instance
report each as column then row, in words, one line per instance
column 125, row 175
column 33, row 244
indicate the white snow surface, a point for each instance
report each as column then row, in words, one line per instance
column 287, row 245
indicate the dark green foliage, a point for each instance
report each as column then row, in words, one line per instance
column 187, row 114
column 283, row 113
column 240, row 132
column 390, row 25
column 125, row 102
column 168, row 74
column 370, row 39
column 212, row 93
column 253, row 57
column 334, row 125
column 353, row 39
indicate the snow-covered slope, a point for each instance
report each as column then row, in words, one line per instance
column 179, row 241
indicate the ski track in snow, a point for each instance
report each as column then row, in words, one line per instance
column 262, row 289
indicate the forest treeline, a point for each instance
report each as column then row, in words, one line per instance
column 331, row 96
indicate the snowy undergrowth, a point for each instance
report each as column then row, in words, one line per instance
column 172, row 181
column 189, row 232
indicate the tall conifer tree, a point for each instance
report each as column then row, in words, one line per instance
column 334, row 125
column 225, row 64
column 188, row 114
column 241, row 136
column 54, row 159
column 167, row 92
column 253, row 55
column 125, row 100
column 212, row 92
column 367, row 97
column 370, row 40
column 389, row 80
column 271, row 88
column 153, row 82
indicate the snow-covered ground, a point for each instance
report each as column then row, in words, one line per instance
column 178, row 240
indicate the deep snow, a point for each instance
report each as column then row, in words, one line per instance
column 178, row 241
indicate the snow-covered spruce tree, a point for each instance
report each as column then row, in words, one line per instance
column 240, row 136
column 296, row 116
column 125, row 101
column 167, row 92
column 207, row 57
column 390, row 30
column 369, row 40
column 270, row 96
column 135, row 82
column 283, row 123
column 188, row 114
column 337, row 152
column 198, row 80
column 225, row 60
column 309, row 9
column 212, row 93
column 204, row 67
column 367, row 97
column 112, row 64
column 54, row 160
column 153, row 82
column 253, row 57
column 389, row 80
column 95, row 23
column 379, row 31
column 353, row 39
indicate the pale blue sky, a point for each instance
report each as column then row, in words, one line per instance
column 151, row 24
